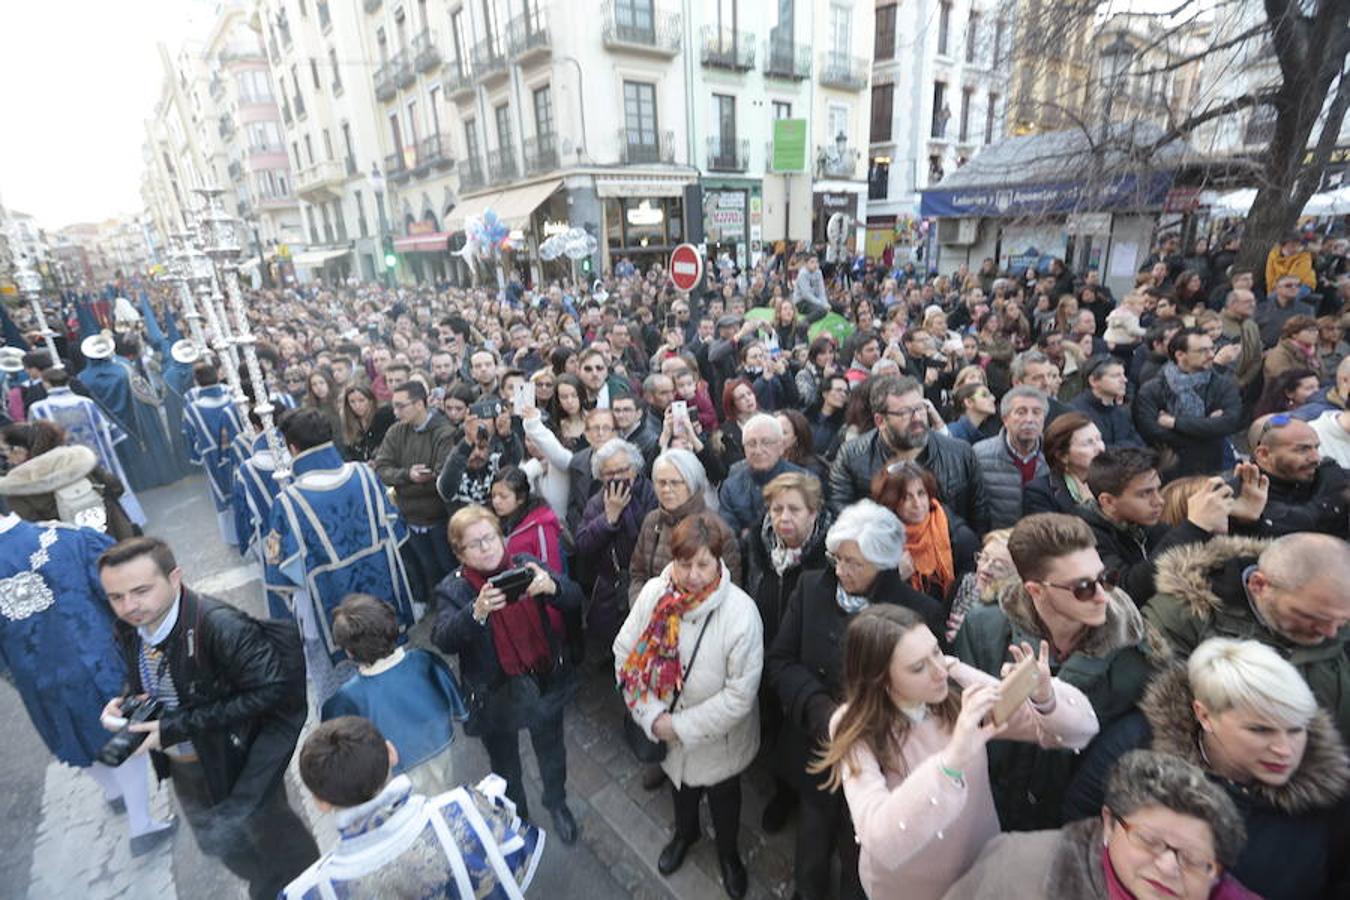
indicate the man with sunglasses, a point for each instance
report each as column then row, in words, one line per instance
column 1289, row 593
column 1307, row 492
column 1099, row 643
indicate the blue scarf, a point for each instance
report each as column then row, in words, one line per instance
column 1187, row 389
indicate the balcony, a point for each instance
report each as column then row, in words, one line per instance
column 783, row 60
column 321, row 180
column 638, row 146
column 728, row 155
column 371, row 5
column 488, row 62
column 384, row 84
column 541, row 153
column 458, row 80
column 401, row 66
column 636, row 30
column 727, row 48
column 502, row 166
column 839, row 70
column 426, row 54
column 434, row 152
column 396, row 168
column 471, row 176
column 837, row 161
column 241, row 52
column 527, row 36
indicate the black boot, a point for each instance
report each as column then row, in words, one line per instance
column 734, row 879
column 564, row 825
column 673, row 854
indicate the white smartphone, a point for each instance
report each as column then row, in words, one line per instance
column 523, row 398
column 679, row 413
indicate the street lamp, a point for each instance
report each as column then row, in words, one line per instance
column 30, row 282
column 376, row 181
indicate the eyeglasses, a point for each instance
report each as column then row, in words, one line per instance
column 852, row 565
column 909, row 412
column 482, row 543
column 1085, row 589
column 1191, row 864
column 1279, row 420
column 996, row 567
column 616, row 473
column 593, row 368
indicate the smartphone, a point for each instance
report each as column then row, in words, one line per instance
column 1014, row 690
column 670, row 321
column 523, row 398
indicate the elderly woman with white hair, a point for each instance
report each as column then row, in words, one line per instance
column 1243, row 714
column 805, row 666
column 608, row 533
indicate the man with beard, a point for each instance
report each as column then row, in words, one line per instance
column 902, row 429
column 1013, row 457
column 1307, row 493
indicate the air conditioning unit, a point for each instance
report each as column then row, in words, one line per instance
column 958, row 232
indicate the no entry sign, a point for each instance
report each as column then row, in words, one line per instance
column 686, row 267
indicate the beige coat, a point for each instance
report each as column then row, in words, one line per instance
column 716, row 718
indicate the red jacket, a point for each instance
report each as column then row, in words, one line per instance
column 538, row 533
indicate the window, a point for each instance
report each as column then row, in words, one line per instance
column 361, row 214
column 471, row 142
column 253, row 86
column 883, row 102
column 885, row 41
column 989, row 113
column 972, row 35
column 295, row 152
column 490, row 27
column 967, row 94
column 327, row 224
column 313, row 232
column 999, row 28
column 457, row 40
column 639, row 112
column 413, row 125
column 327, row 144
column 434, row 104
column 838, row 119
column 940, row 111
column 337, row 75
column 543, row 111
column 309, row 150
column 502, row 114
column 635, row 18
column 879, row 178
column 782, row 109
column 347, row 145
column 397, row 135
column 1051, row 101
column 944, row 28
column 314, row 72
column 341, row 221
column 724, row 114
column 841, row 29
column 304, row 13
column 263, row 136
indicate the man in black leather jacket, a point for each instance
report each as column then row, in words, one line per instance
column 234, row 708
column 902, row 430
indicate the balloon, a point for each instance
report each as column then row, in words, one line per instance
column 832, row 324
column 489, row 217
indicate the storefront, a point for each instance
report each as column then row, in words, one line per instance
column 733, row 221
column 825, row 204
column 642, row 230
column 423, row 251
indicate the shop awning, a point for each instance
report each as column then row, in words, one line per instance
column 645, row 186
column 312, row 258
column 434, row 242
column 512, row 206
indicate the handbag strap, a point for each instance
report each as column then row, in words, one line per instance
column 692, row 656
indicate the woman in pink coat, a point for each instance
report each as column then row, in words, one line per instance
column 529, row 523
column 908, row 748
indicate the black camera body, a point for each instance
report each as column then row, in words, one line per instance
column 125, row 742
column 513, row 582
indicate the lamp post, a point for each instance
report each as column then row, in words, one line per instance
column 377, row 185
column 179, row 270
column 30, row 282
column 221, row 246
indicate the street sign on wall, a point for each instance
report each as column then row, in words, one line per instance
column 789, row 145
column 686, row 267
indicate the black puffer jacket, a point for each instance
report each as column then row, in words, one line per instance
column 951, row 461
column 239, row 706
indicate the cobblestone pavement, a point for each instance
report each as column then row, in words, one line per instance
column 61, row 840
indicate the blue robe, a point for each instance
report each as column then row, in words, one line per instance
column 255, row 490
column 84, row 423
column 176, row 386
column 210, row 424
column 147, row 455
column 56, row 633
column 333, row 531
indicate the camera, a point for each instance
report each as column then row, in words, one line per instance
column 124, row 743
column 490, row 408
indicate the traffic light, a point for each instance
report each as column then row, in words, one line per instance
column 390, row 259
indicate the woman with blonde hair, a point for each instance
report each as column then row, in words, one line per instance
column 908, row 746
column 1242, row 713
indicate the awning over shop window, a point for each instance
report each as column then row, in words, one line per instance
column 512, row 206
column 434, row 242
column 312, row 258
column 646, row 186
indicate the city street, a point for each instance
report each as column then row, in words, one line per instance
column 62, row 841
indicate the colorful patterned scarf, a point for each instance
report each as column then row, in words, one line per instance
column 653, row 667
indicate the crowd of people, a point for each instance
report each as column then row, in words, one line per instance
column 806, row 519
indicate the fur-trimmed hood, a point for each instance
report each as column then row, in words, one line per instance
column 1319, row 781
column 1124, row 626
column 46, row 473
column 1187, row 571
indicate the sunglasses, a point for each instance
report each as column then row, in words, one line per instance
column 1085, row 589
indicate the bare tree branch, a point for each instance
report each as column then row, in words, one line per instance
column 1215, row 112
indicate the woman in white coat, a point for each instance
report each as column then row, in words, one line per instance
column 688, row 660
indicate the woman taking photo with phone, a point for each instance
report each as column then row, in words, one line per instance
column 908, row 749
column 512, row 661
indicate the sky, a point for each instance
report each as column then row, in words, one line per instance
column 79, row 78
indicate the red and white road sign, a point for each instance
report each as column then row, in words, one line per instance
column 686, row 267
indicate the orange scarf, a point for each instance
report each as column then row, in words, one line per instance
column 930, row 547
